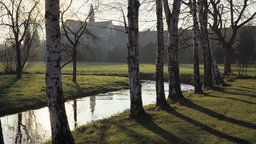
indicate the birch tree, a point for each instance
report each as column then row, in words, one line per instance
column 207, row 57
column 59, row 125
column 136, row 107
column 160, row 95
column 192, row 4
column 172, row 19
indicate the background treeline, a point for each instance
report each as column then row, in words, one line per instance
column 244, row 48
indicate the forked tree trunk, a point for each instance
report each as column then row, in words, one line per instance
column 136, row 108
column 160, row 95
column 1, row 134
column 175, row 93
column 203, row 19
column 59, row 125
column 196, row 38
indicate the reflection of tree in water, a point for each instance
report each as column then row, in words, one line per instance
column 92, row 103
column 1, row 134
column 18, row 138
column 75, row 112
column 27, row 128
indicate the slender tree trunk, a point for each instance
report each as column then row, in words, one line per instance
column 1, row 134
column 217, row 78
column 59, row 125
column 196, row 38
column 175, row 93
column 160, row 95
column 18, row 59
column 136, row 108
column 74, row 64
column 203, row 19
column 227, row 60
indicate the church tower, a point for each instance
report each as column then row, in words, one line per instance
column 91, row 14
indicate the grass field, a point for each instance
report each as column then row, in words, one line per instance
column 29, row 92
column 121, row 68
column 222, row 115
column 225, row 115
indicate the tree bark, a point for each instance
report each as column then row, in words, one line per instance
column 175, row 93
column 74, row 63
column 1, row 134
column 196, row 38
column 18, row 59
column 227, row 61
column 217, row 77
column 136, row 108
column 160, row 95
column 59, row 125
column 203, row 19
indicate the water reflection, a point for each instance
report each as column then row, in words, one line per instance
column 34, row 126
column 18, row 137
column 92, row 104
column 75, row 112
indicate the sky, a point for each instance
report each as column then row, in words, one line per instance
column 112, row 10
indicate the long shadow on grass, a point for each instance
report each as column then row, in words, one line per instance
column 245, row 93
column 209, row 112
column 248, row 102
column 148, row 123
column 207, row 128
column 137, row 136
column 8, row 84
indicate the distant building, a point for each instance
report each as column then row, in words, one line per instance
column 107, row 42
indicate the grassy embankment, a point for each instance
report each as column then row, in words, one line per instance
column 223, row 115
column 29, row 92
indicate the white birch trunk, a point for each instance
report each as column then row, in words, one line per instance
column 59, row 125
column 160, row 95
column 196, row 38
column 136, row 108
column 204, row 43
column 175, row 93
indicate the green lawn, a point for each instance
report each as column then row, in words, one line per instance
column 29, row 92
column 222, row 115
column 225, row 115
column 121, row 68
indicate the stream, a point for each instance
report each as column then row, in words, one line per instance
column 33, row 126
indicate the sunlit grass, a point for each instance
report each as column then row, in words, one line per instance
column 29, row 92
column 224, row 115
column 122, row 69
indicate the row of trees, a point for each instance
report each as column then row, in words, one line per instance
column 201, row 38
column 60, row 129
column 22, row 25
